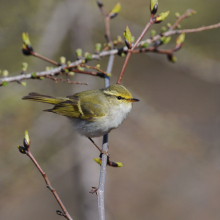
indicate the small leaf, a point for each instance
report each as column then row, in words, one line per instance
column 25, row 38
column 161, row 17
column 153, row 6
column 114, row 12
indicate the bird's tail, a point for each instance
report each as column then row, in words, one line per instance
column 44, row 98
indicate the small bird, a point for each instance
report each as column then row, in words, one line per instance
column 93, row 113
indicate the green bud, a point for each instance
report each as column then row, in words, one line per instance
column 172, row 58
column 79, row 52
column 161, row 17
column 153, row 33
column 97, row 160
column 177, row 14
column 114, row 12
column 5, row 73
column 88, row 56
column 153, row 6
column 24, row 84
column 116, row 164
column 127, row 35
column 4, row 83
column 145, row 45
column 68, row 63
column 108, row 74
column 47, row 68
column 119, row 39
column 34, row 75
column 165, row 40
column 25, row 38
column 169, row 25
column 41, row 77
column 179, row 26
column 98, row 66
column 180, row 39
column 66, row 70
column 71, row 73
column 122, row 54
column 98, row 47
column 27, row 141
column 163, row 29
column 80, row 68
column 24, row 66
column 62, row 60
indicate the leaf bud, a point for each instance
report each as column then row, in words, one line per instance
column 98, row 47
column 62, row 60
column 153, row 6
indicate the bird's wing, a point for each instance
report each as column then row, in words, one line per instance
column 81, row 107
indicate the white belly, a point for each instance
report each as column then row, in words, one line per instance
column 102, row 125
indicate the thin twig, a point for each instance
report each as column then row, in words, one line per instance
column 44, row 58
column 65, row 80
column 104, row 54
column 180, row 18
column 49, row 186
column 133, row 47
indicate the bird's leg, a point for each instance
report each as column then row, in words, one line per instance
column 101, row 151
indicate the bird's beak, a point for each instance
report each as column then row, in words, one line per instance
column 134, row 100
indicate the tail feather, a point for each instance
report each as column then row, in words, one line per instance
column 44, row 98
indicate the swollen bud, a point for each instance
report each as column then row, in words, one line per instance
column 172, row 58
column 116, row 164
column 62, row 60
column 22, row 149
column 97, row 160
column 127, row 36
column 24, row 67
column 26, row 140
column 5, row 73
column 180, row 39
column 153, row 6
column 99, row 4
column 79, row 52
column 161, row 17
column 98, row 47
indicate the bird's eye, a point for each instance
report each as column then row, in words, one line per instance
column 119, row 97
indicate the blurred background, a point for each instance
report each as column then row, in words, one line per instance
column 169, row 144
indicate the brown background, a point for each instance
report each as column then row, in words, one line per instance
column 169, row 144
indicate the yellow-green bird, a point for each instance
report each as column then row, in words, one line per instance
column 93, row 112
